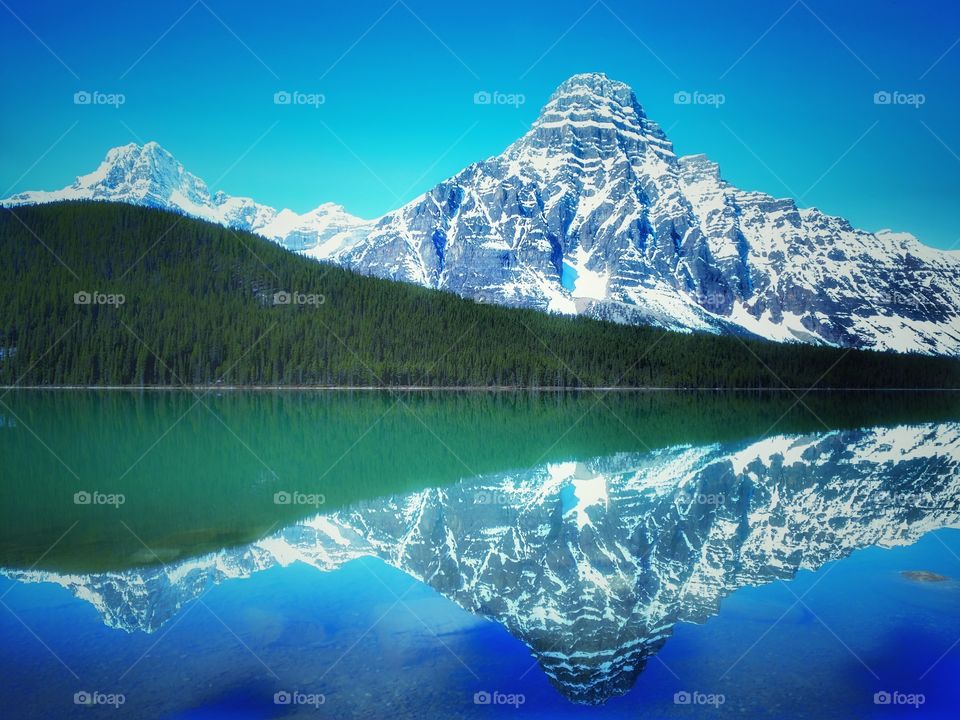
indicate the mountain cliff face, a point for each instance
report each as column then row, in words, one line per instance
column 592, row 212
column 592, row 563
column 585, row 209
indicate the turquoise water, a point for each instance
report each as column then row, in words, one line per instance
column 568, row 277
column 668, row 556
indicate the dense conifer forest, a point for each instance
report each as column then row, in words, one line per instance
column 111, row 294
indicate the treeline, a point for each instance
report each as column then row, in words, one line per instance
column 111, row 294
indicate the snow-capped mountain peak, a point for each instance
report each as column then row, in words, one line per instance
column 145, row 174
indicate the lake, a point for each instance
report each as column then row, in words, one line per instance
column 369, row 554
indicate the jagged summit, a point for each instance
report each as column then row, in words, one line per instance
column 150, row 149
column 596, row 95
column 150, row 154
column 598, row 85
column 593, row 101
column 147, row 172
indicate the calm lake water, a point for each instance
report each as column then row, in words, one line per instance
column 367, row 554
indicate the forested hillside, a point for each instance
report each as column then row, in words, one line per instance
column 111, row 294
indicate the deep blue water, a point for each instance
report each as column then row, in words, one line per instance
column 863, row 628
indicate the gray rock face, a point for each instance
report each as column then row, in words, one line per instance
column 591, row 212
column 590, row 186
column 592, row 563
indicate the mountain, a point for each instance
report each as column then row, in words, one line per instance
column 592, row 563
column 150, row 176
column 592, row 212
column 138, row 296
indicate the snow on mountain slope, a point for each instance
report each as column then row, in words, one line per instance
column 149, row 175
column 806, row 275
column 592, row 212
column 592, row 563
column 588, row 189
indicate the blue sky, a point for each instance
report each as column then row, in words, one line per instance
column 798, row 81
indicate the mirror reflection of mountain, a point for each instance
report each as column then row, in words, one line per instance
column 199, row 472
column 592, row 562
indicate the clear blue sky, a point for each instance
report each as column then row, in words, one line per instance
column 799, row 117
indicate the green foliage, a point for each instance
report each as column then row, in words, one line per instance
column 199, row 309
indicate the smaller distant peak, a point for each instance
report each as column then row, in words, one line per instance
column 133, row 150
column 131, row 162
